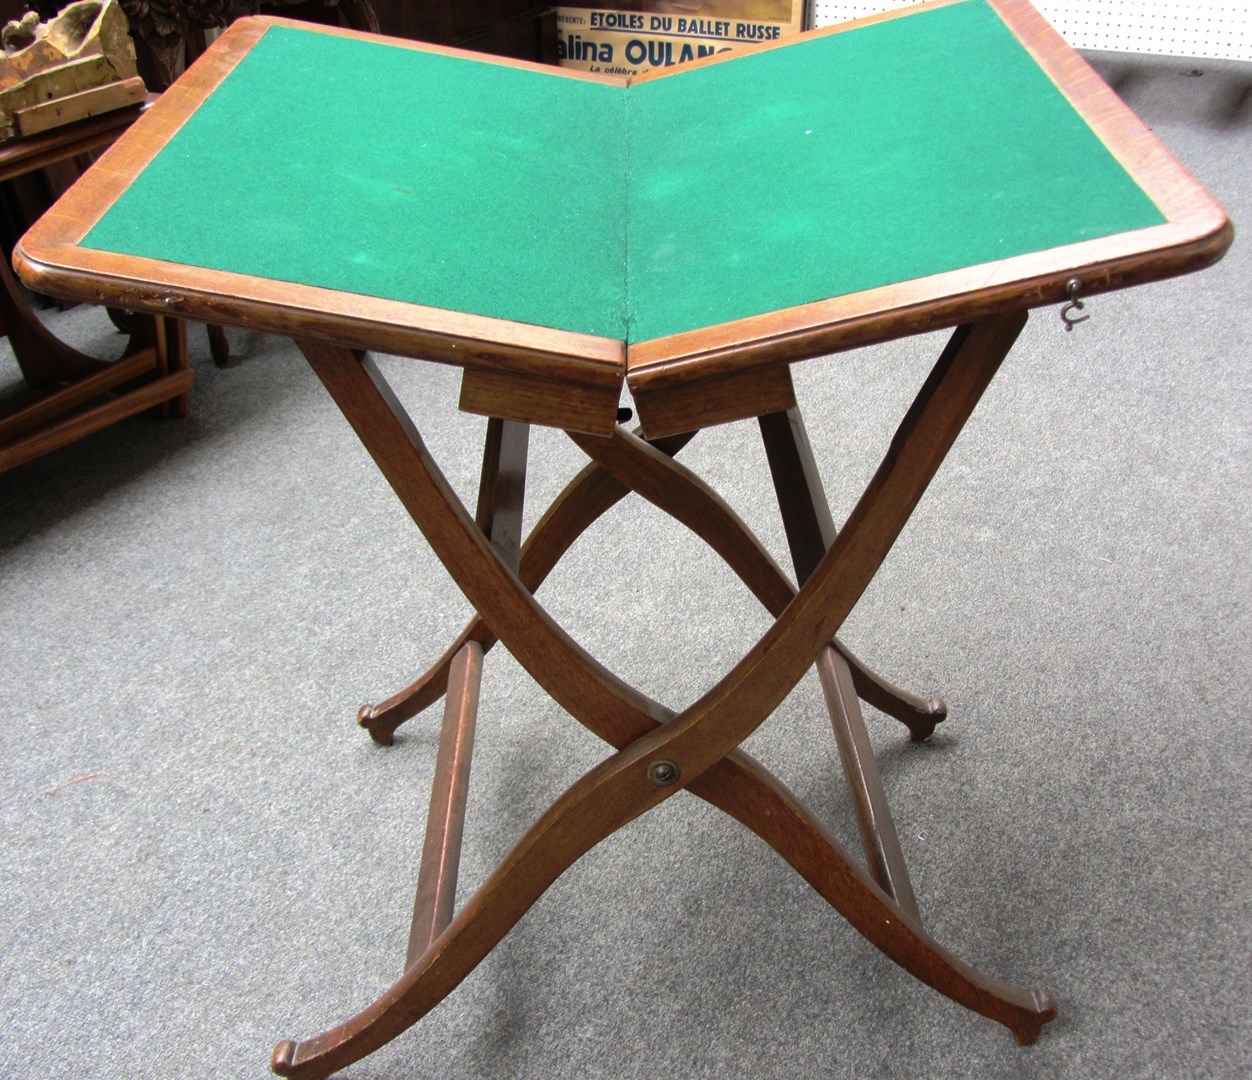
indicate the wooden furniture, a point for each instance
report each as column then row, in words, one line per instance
column 84, row 394
column 172, row 34
column 495, row 218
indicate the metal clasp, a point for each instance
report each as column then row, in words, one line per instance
column 1072, row 287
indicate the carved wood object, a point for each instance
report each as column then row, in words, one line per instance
column 79, row 64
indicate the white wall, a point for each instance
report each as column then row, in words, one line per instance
column 1217, row 28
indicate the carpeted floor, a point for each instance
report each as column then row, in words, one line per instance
column 193, row 611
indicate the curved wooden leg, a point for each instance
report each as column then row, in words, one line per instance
column 601, row 802
column 382, row 720
column 760, row 681
column 679, row 492
column 749, row 793
column 43, row 358
column 663, row 754
column 590, row 494
column 810, row 531
column 704, row 733
column 573, row 678
column 920, row 715
column 587, row 497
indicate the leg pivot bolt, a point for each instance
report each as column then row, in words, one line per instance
column 662, row 773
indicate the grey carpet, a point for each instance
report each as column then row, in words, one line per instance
column 193, row 611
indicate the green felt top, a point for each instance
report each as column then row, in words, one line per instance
column 839, row 163
column 391, row 172
column 890, row 152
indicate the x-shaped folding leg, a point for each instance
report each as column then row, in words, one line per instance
column 587, row 497
column 659, row 752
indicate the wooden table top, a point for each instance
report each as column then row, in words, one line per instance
column 902, row 172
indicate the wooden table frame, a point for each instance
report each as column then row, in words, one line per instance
column 660, row 752
column 151, row 374
column 521, row 375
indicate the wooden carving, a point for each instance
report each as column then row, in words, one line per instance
column 165, row 26
column 78, row 64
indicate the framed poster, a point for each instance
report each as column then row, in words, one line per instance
column 622, row 37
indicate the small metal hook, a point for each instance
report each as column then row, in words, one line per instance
column 1072, row 287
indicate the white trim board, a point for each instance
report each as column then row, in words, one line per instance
column 1201, row 28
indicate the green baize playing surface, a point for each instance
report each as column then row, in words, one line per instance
column 839, row 163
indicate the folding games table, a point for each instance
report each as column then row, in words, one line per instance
column 688, row 235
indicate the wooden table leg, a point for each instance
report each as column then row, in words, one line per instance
column 42, row 358
column 662, row 753
column 501, row 500
column 588, row 496
column 810, row 530
column 153, row 374
column 636, row 465
column 810, row 533
column 569, row 675
column 435, row 901
column 689, row 500
column 152, row 377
